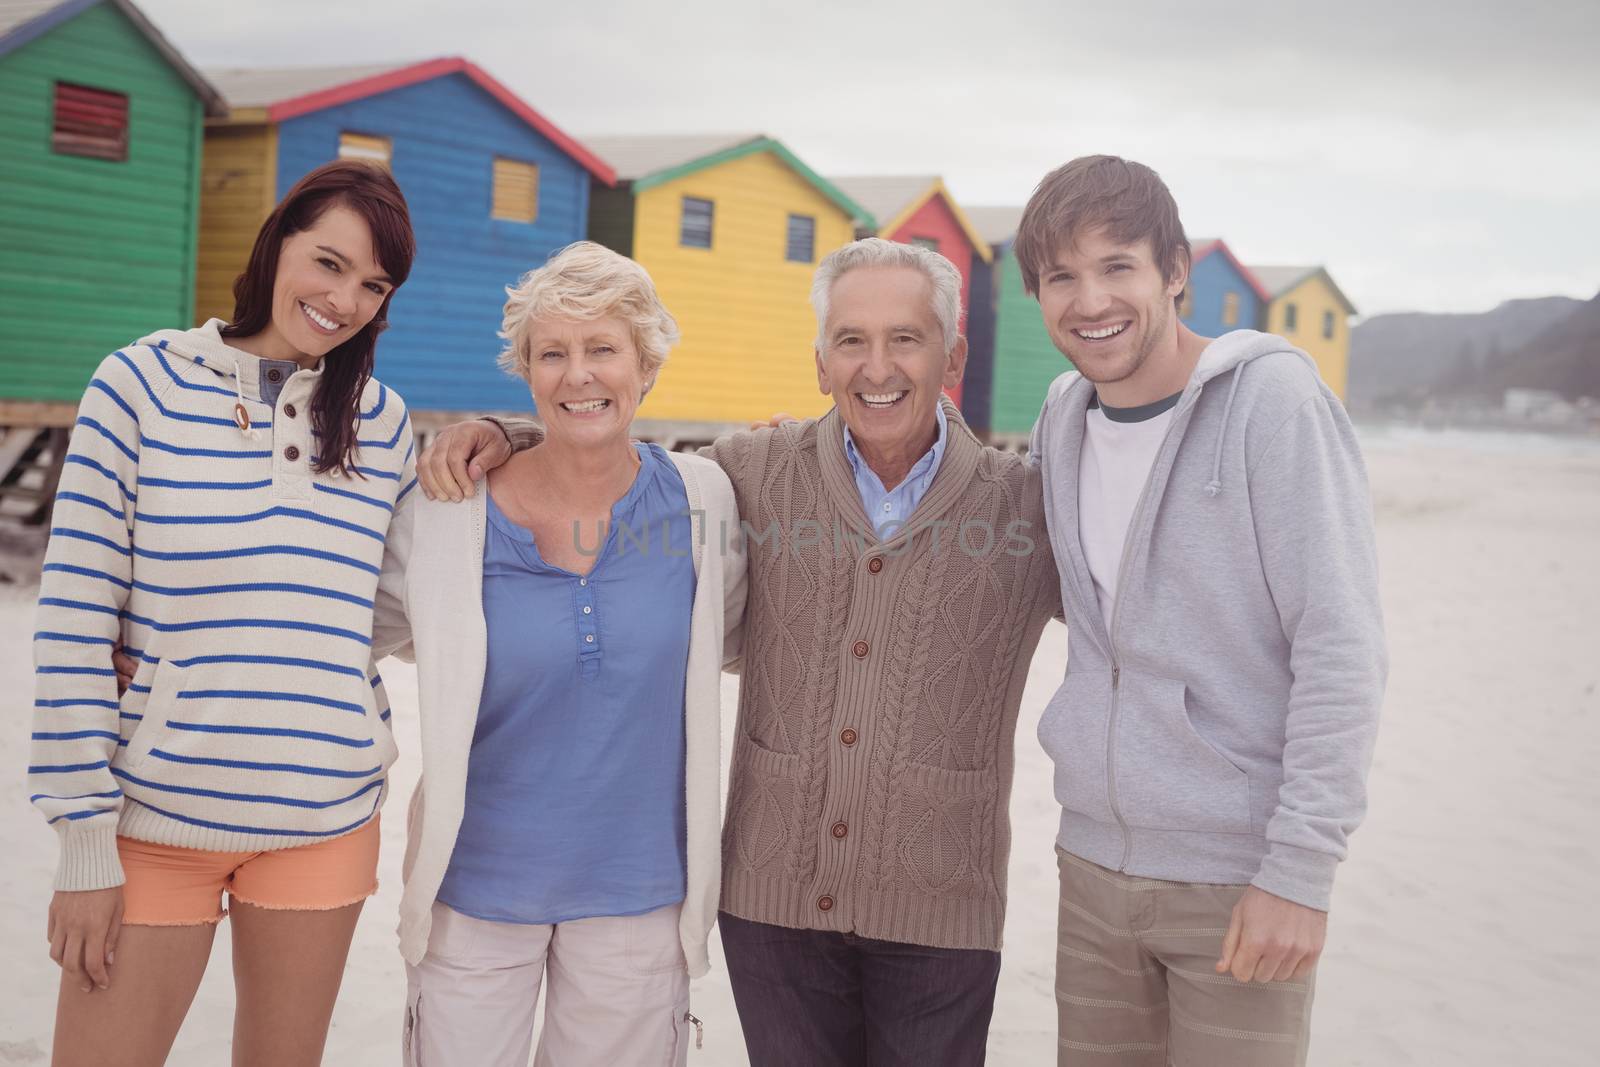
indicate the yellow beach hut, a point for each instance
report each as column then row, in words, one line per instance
column 1307, row 309
column 731, row 229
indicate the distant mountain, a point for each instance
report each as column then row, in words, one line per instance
column 1565, row 358
column 1411, row 356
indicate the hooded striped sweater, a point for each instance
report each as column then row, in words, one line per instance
column 241, row 581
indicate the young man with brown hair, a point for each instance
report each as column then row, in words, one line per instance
column 1208, row 509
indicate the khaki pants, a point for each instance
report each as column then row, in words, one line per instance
column 617, row 993
column 1136, row 984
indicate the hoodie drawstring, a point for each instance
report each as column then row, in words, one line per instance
column 240, row 415
column 1214, row 486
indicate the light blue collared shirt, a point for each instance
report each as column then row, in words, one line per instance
column 888, row 509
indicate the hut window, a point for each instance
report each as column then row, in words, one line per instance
column 930, row 243
column 1327, row 325
column 516, row 191
column 363, row 146
column 90, row 122
column 1230, row 308
column 801, row 245
column 1289, row 317
column 694, row 231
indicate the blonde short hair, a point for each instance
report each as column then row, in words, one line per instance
column 583, row 282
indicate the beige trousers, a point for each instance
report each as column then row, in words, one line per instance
column 1136, row 984
column 618, row 993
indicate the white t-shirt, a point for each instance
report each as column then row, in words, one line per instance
column 1118, row 451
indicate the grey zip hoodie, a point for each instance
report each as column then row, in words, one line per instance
column 1221, row 731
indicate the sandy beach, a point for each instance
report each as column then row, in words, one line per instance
column 1463, row 930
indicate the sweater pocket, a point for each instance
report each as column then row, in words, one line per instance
column 763, row 795
column 945, row 823
column 164, row 686
column 1169, row 777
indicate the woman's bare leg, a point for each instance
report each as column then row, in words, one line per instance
column 134, row 1022
column 287, row 966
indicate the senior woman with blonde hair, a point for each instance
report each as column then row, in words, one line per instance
column 569, row 626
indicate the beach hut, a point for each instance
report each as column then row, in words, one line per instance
column 731, row 228
column 921, row 211
column 1222, row 293
column 1307, row 309
column 1024, row 360
column 100, row 124
column 99, row 189
column 494, row 188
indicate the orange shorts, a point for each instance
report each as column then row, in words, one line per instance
column 171, row 886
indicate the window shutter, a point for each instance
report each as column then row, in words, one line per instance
column 694, row 230
column 800, row 246
column 90, row 122
column 362, row 146
column 516, row 191
column 1230, row 308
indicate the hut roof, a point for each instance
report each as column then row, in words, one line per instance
column 1201, row 247
column 288, row 92
column 895, row 198
column 649, row 160
column 22, row 21
column 1280, row 279
column 996, row 225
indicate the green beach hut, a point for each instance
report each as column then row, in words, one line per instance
column 1018, row 357
column 101, row 123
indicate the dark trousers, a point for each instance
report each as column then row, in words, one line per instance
column 814, row 998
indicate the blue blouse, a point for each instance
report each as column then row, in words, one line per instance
column 575, row 782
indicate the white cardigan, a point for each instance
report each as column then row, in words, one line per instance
column 432, row 598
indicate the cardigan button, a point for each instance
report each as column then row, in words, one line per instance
column 840, row 829
column 875, row 564
column 288, row 409
column 824, row 903
column 291, row 453
column 860, row 649
column 847, row 736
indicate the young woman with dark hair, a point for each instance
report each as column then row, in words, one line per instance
column 223, row 517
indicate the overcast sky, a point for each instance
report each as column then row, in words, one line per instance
column 1438, row 155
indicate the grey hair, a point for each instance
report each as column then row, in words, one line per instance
column 876, row 252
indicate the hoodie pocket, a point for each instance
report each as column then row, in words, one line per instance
column 1073, row 731
column 1169, row 777
column 165, row 684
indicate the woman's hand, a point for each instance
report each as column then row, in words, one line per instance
column 83, row 934
column 458, row 456
column 125, row 669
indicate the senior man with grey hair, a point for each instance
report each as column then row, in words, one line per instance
column 899, row 580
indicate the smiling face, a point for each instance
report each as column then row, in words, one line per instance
column 1107, row 307
column 329, row 286
column 586, row 378
column 883, row 359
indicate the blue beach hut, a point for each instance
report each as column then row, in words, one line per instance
column 494, row 188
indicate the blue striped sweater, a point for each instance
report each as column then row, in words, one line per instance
column 242, row 582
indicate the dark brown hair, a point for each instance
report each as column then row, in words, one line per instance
column 369, row 191
column 1129, row 199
